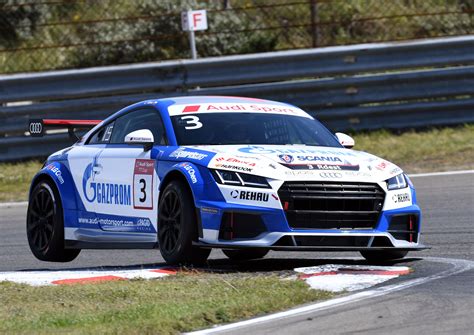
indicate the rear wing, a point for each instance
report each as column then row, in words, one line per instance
column 37, row 127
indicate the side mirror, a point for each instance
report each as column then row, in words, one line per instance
column 346, row 141
column 141, row 136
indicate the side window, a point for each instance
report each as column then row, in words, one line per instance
column 138, row 119
column 102, row 136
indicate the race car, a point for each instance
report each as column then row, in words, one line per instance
column 188, row 174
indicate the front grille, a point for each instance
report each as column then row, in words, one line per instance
column 331, row 205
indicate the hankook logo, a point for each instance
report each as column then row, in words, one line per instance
column 334, row 175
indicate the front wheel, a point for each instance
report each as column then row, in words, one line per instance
column 45, row 225
column 383, row 256
column 177, row 226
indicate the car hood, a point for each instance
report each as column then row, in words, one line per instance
column 297, row 162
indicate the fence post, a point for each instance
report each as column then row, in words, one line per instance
column 315, row 23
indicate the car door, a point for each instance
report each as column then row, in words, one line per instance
column 128, row 189
column 84, row 168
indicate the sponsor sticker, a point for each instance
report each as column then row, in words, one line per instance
column 382, row 165
column 234, row 167
column 237, row 107
column 191, row 172
column 57, row 172
column 286, row 158
column 235, row 160
column 260, row 150
column 400, row 198
column 330, row 175
column 249, row 195
column 143, row 183
column 320, row 158
column 183, row 153
column 103, row 193
column 209, row 210
column 333, row 167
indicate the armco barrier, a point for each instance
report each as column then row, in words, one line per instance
column 392, row 85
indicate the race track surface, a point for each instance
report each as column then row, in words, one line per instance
column 440, row 306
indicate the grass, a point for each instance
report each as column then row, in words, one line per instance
column 426, row 151
column 166, row 306
column 15, row 179
column 423, row 151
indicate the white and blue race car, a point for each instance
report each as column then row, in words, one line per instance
column 189, row 174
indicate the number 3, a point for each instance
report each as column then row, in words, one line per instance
column 143, row 182
column 193, row 122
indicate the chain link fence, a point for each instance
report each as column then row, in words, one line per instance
column 45, row 35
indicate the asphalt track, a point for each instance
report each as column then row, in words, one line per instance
column 440, row 306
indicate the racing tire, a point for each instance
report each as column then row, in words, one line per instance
column 177, row 228
column 45, row 225
column 383, row 256
column 245, row 254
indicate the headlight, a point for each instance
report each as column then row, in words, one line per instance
column 397, row 182
column 239, row 179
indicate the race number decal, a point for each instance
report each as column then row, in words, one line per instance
column 143, row 183
column 192, row 122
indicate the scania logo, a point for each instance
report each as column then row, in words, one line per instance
column 333, row 175
column 286, row 158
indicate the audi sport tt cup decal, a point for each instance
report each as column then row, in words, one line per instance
column 233, row 107
column 143, row 183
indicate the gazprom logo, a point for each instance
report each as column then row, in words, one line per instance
column 104, row 193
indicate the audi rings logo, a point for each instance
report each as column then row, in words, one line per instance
column 333, row 175
column 35, row 127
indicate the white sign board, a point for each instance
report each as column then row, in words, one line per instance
column 193, row 20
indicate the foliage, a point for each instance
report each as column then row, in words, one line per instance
column 55, row 35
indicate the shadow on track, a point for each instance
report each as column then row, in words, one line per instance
column 261, row 266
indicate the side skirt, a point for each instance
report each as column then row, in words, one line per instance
column 73, row 244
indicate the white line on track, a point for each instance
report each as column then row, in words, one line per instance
column 13, row 204
column 458, row 266
column 446, row 173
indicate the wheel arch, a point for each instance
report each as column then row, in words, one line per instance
column 59, row 175
column 180, row 173
column 189, row 174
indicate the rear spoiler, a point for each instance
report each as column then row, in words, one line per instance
column 37, row 127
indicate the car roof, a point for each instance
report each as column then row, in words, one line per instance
column 201, row 99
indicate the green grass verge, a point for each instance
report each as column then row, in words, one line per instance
column 432, row 150
column 425, row 151
column 165, row 306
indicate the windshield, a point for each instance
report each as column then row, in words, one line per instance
column 250, row 128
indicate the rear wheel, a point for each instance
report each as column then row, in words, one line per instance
column 245, row 254
column 383, row 256
column 177, row 228
column 45, row 225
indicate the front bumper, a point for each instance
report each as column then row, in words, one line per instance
column 272, row 229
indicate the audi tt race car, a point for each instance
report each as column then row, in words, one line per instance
column 189, row 174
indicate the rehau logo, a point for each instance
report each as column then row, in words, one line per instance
column 249, row 195
column 402, row 197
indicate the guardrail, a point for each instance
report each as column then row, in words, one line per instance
column 368, row 86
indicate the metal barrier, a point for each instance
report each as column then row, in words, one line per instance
column 369, row 86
